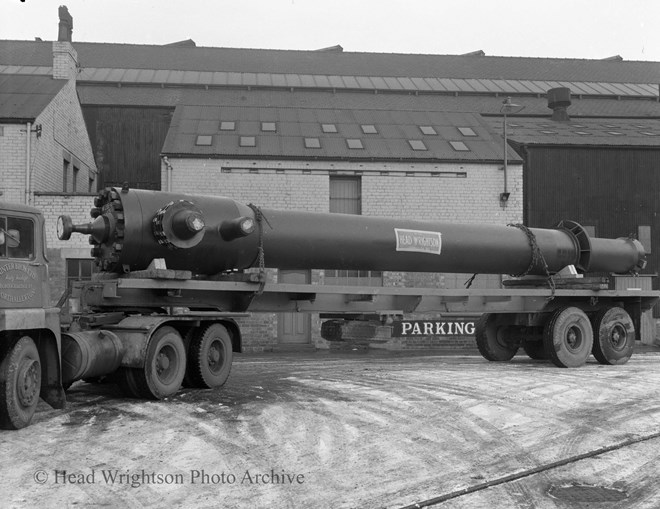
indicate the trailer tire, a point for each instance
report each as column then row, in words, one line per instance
column 492, row 340
column 209, row 357
column 164, row 367
column 568, row 337
column 614, row 336
column 20, row 384
column 535, row 350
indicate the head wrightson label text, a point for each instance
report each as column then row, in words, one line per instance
column 418, row 241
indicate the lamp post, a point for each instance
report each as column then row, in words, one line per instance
column 507, row 108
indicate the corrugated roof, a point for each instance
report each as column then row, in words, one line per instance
column 487, row 105
column 583, row 131
column 294, row 124
column 333, row 64
column 24, row 97
column 384, row 83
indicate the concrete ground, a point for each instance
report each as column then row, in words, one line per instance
column 341, row 430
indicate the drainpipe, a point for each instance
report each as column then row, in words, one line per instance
column 170, row 169
column 28, row 176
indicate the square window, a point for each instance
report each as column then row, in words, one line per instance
column 428, row 130
column 268, row 127
column 354, row 143
column 248, row 141
column 467, row 131
column 204, row 140
column 369, row 129
column 329, row 128
column 417, row 145
column 459, row 146
column 228, row 126
column 312, row 143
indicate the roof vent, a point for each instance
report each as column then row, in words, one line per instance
column 478, row 53
column 188, row 43
column 559, row 99
column 332, row 49
column 614, row 58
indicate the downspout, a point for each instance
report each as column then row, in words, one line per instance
column 28, row 175
column 170, row 169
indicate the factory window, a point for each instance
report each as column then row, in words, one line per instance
column 67, row 176
column 77, row 269
column 268, row 127
column 329, row 128
column 346, row 198
column 467, row 131
column 227, row 126
column 248, row 141
column 204, row 140
column 459, row 146
column 644, row 236
column 312, row 143
column 354, row 143
column 369, row 129
column 417, row 145
column 428, row 130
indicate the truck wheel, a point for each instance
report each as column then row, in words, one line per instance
column 493, row 341
column 534, row 350
column 209, row 357
column 568, row 337
column 20, row 384
column 614, row 336
column 164, row 367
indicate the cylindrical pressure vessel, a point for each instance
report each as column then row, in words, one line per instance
column 210, row 234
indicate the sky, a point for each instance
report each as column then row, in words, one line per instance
column 584, row 29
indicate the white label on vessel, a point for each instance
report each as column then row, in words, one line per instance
column 418, row 241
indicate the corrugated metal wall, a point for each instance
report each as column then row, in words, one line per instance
column 127, row 143
column 616, row 190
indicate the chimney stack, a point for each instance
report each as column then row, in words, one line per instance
column 559, row 99
column 65, row 58
column 66, row 24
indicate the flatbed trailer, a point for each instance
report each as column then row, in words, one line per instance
column 176, row 272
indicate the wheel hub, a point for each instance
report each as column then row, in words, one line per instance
column 28, row 382
column 618, row 337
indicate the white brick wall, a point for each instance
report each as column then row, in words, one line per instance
column 62, row 130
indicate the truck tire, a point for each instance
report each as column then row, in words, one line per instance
column 614, row 336
column 492, row 340
column 568, row 337
column 164, row 367
column 535, row 350
column 20, row 384
column 209, row 357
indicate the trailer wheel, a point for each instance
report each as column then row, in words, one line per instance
column 568, row 337
column 493, row 341
column 614, row 336
column 535, row 350
column 209, row 357
column 164, row 367
column 20, row 384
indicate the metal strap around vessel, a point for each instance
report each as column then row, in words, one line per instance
column 261, row 257
column 537, row 258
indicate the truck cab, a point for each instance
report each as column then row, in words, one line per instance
column 30, row 338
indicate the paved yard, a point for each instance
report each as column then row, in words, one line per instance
column 370, row 430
